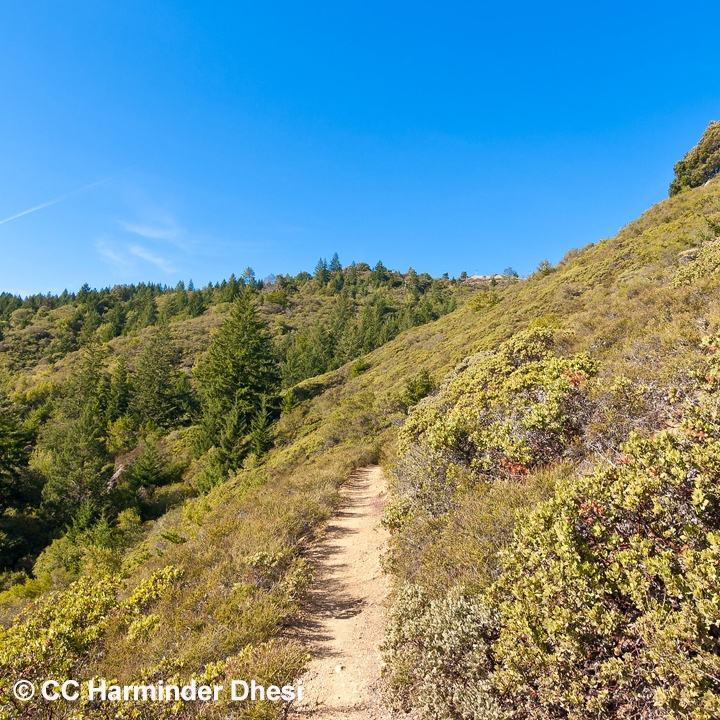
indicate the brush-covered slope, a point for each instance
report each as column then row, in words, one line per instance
column 556, row 509
column 540, row 382
column 151, row 512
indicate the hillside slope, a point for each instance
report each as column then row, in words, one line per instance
column 210, row 583
column 555, row 518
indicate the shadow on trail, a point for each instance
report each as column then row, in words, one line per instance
column 341, row 622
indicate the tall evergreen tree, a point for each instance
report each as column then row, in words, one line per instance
column 196, row 304
column 161, row 390
column 15, row 449
column 379, row 274
column 79, row 465
column 232, row 440
column 261, row 436
column 120, row 390
column 237, row 373
column 322, row 274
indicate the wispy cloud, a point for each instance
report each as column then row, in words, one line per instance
column 56, row 200
column 126, row 259
column 168, row 230
column 144, row 254
column 113, row 256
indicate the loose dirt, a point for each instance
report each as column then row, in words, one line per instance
column 344, row 622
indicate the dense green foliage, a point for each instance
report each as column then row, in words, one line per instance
column 605, row 602
column 320, row 321
column 700, row 164
column 365, row 314
column 237, row 378
column 91, row 380
column 610, row 599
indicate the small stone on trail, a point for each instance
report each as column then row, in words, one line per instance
column 339, row 668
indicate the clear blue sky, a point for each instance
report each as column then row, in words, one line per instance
column 443, row 136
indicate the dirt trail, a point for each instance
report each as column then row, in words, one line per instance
column 344, row 623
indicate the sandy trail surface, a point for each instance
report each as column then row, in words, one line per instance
column 344, row 622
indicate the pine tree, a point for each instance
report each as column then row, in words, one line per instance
column 196, row 304
column 161, row 389
column 148, row 312
column 237, row 373
column 79, row 467
column 379, row 274
column 120, row 390
column 15, row 450
column 90, row 324
column 289, row 402
column 322, row 274
column 137, row 484
column 261, row 436
column 90, row 387
column 232, row 440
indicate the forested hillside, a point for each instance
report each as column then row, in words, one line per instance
column 118, row 403
column 554, row 453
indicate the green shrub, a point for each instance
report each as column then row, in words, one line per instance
column 610, row 598
column 544, row 268
column 704, row 266
column 499, row 415
column 438, row 656
column 278, row 297
column 52, row 640
column 417, row 388
column 485, row 299
column 700, row 164
column 359, row 367
column 606, row 598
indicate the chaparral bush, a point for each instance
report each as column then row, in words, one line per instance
column 438, row 654
column 610, row 603
column 500, row 415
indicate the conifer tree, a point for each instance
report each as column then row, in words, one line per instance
column 261, row 438
column 148, row 312
column 161, row 389
column 79, row 467
column 379, row 274
column 120, row 390
column 232, row 437
column 196, row 304
column 15, row 450
column 322, row 274
column 237, row 373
